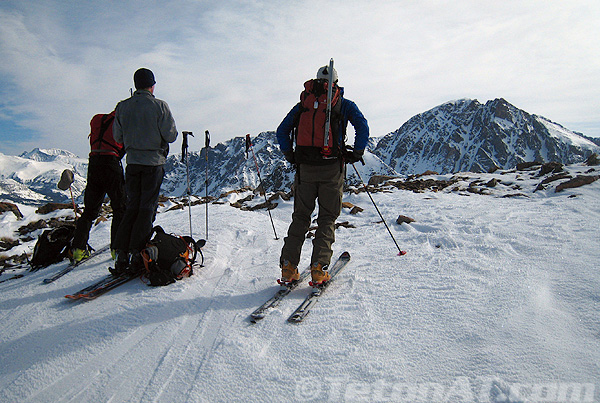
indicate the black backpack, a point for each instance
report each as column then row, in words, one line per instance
column 168, row 257
column 52, row 246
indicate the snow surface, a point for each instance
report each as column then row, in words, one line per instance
column 559, row 132
column 496, row 300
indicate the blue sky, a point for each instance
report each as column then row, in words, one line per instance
column 237, row 67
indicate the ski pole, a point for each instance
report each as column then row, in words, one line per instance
column 184, row 158
column 249, row 146
column 207, row 147
column 400, row 251
column 73, row 201
column 66, row 180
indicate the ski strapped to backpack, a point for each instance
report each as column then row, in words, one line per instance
column 101, row 137
column 330, row 83
column 168, row 257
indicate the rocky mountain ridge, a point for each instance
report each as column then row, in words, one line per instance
column 458, row 136
column 467, row 136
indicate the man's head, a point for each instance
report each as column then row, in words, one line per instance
column 143, row 78
column 323, row 74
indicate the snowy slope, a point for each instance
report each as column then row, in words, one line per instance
column 496, row 301
column 32, row 177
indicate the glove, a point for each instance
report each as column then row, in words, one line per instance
column 151, row 253
column 352, row 156
column 289, row 156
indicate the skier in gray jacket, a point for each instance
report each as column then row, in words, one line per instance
column 145, row 126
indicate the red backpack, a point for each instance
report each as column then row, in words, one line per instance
column 310, row 128
column 101, row 136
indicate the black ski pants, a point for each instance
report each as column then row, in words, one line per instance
column 104, row 177
column 142, row 183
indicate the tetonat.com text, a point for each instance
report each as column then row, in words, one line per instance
column 461, row 389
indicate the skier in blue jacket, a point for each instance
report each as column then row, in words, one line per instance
column 319, row 177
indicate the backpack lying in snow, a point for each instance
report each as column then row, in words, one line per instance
column 168, row 258
column 52, row 246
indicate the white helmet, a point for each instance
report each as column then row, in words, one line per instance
column 323, row 73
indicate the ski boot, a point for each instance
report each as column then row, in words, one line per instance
column 289, row 273
column 319, row 274
column 76, row 255
column 121, row 263
column 136, row 264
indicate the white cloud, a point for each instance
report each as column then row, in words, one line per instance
column 237, row 67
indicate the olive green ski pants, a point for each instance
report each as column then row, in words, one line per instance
column 312, row 183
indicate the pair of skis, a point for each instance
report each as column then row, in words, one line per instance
column 64, row 271
column 311, row 299
column 103, row 286
column 106, row 284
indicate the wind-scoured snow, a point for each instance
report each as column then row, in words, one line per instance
column 496, row 300
column 557, row 131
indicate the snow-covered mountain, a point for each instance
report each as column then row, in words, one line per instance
column 230, row 168
column 32, row 177
column 466, row 135
column 457, row 136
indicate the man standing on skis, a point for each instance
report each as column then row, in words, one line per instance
column 145, row 126
column 320, row 169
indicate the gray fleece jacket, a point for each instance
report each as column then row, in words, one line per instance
column 145, row 126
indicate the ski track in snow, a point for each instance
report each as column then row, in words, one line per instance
column 491, row 288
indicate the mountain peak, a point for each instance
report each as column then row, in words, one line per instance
column 47, row 154
column 464, row 135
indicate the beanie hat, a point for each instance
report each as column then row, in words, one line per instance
column 323, row 74
column 143, row 78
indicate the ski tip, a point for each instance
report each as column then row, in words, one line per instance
column 344, row 255
column 284, row 283
column 255, row 319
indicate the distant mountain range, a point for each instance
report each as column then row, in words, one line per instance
column 229, row 167
column 462, row 135
column 32, row 177
column 457, row 136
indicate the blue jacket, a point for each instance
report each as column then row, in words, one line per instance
column 350, row 113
